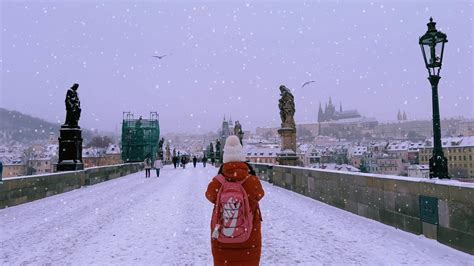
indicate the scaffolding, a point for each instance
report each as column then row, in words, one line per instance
column 140, row 137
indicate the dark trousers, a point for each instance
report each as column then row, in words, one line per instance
column 157, row 172
column 147, row 172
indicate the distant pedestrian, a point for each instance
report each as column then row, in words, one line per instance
column 204, row 161
column 213, row 160
column 1, row 170
column 147, row 164
column 183, row 161
column 195, row 161
column 175, row 161
column 236, row 237
column 158, row 165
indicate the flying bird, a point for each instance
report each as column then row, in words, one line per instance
column 307, row 82
column 159, row 56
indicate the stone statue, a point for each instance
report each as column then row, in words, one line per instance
column 218, row 151
column 73, row 108
column 238, row 131
column 160, row 148
column 237, row 128
column 287, row 108
column 168, row 152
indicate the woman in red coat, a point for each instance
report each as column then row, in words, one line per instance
column 235, row 169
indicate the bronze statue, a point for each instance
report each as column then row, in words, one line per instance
column 287, row 107
column 73, row 107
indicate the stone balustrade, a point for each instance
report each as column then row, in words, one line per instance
column 18, row 190
column 439, row 209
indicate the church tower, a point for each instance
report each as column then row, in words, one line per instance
column 320, row 113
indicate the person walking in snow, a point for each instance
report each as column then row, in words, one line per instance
column 195, row 161
column 235, row 170
column 147, row 164
column 158, row 165
column 204, row 161
column 175, row 161
column 183, row 161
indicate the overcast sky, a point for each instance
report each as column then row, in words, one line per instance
column 229, row 58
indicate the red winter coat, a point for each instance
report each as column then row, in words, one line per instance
column 247, row 253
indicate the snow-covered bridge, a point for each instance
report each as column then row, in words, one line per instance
column 133, row 220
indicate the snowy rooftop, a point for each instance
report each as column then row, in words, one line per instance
column 452, row 142
column 113, row 149
column 337, row 167
column 255, row 151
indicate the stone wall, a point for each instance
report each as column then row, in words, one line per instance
column 18, row 190
column 401, row 202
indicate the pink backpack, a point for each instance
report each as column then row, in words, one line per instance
column 232, row 218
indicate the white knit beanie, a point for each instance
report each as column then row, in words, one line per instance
column 233, row 151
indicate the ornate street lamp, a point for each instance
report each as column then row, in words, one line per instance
column 432, row 47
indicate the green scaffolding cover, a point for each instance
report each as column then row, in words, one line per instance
column 140, row 139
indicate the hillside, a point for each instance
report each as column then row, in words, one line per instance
column 22, row 128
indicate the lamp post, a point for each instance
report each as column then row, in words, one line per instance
column 432, row 46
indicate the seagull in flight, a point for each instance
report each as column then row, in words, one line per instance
column 307, row 82
column 159, row 56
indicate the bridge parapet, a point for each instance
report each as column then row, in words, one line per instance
column 439, row 209
column 18, row 190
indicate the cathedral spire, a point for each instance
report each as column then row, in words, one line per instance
column 320, row 113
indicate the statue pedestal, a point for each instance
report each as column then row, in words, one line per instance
column 287, row 156
column 70, row 150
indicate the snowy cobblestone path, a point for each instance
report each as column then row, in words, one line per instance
column 133, row 220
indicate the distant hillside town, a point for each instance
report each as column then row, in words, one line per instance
column 341, row 140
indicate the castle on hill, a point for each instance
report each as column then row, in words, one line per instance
column 331, row 114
